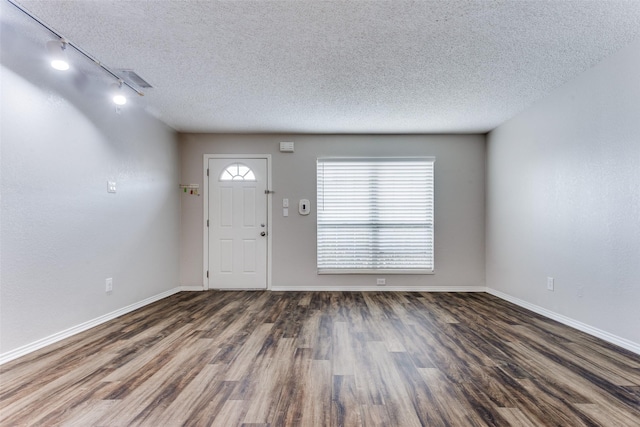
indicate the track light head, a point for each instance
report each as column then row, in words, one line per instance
column 58, row 55
column 119, row 99
column 118, row 96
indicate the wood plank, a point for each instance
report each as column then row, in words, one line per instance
column 397, row 400
column 230, row 414
column 604, row 417
column 345, row 410
column 266, row 390
column 194, row 396
column 343, row 351
column 316, row 405
column 146, row 403
column 243, row 361
column 375, row 416
column 450, row 408
column 515, row 417
column 88, row 413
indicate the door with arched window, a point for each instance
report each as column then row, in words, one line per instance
column 238, row 232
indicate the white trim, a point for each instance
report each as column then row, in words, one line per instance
column 269, row 220
column 59, row 336
column 380, row 158
column 599, row 333
column 337, row 178
column 205, row 211
column 380, row 288
column 192, row 288
column 205, row 231
column 374, row 271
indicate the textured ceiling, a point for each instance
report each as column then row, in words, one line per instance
column 345, row 66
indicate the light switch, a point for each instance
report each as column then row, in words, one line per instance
column 111, row 186
column 285, row 211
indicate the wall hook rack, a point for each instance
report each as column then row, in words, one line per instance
column 191, row 189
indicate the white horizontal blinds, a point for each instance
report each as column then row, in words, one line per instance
column 375, row 214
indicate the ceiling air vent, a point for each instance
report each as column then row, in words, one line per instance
column 132, row 77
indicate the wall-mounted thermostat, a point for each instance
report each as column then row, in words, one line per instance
column 304, row 207
column 286, row 147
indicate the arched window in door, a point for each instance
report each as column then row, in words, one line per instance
column 237, row 172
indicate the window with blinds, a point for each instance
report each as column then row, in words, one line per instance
column 375, row 215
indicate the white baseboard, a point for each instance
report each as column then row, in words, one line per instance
column 59, row 336
column 380, row 288
column 194, row 288
column 599, row 333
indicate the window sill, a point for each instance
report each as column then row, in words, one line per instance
column 374, row 271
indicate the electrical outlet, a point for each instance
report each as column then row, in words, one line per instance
column 381, row 282
column 111, row 186
column 550, row 285
column 108, row 285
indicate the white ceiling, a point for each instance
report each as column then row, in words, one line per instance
column 459, row 66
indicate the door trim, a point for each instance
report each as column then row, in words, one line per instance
column 205, row 213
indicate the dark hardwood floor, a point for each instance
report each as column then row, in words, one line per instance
column 325, row 359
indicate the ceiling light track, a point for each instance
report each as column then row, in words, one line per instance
column 68, row 43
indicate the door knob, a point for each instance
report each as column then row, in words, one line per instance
column 263, row 234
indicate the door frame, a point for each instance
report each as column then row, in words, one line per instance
column 205, row 216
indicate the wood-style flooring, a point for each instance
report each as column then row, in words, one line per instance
column 325, row 359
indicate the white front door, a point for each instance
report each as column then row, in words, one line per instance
column 238, row 223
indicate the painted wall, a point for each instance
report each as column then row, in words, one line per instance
column 61, row 233
column 563, row 200
column 459, row 204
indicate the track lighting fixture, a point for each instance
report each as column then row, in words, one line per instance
column 58, row 54
column 57, row 51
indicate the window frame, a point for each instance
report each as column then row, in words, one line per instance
column 429, row 195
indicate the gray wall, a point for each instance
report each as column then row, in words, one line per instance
column 563, row 200
column 61, row 233
column 459, row 204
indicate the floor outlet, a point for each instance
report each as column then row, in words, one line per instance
column 109, row 285
column 550, row 284
column 381, row 282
